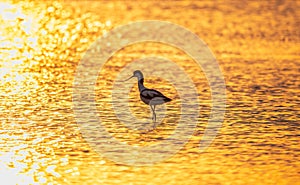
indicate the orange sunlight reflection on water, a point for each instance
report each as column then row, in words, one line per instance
column 257, row 45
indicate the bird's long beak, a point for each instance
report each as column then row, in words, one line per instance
column 128, row 78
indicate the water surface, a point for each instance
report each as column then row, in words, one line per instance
column 255, row 43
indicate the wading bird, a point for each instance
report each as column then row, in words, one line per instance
column 149, row 96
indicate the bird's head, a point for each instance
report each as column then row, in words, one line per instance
column 138, row 74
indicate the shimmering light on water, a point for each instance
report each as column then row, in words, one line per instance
column 256, row 44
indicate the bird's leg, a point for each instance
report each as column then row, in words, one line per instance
column 153, row 116
column 153, row 113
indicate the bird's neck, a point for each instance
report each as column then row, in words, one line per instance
column 141, row 84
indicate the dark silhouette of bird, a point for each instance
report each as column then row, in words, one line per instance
column 150, row 97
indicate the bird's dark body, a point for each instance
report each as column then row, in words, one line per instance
column 153, row 97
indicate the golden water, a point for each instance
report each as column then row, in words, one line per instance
column 255, row 43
